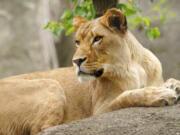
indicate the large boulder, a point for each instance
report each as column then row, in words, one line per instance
column 130, row 121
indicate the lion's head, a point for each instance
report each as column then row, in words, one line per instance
column 100, row 45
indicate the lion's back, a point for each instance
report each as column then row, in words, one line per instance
column 26, row 104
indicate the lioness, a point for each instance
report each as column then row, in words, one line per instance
column 116, row 71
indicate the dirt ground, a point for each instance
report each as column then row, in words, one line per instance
column 130, row 121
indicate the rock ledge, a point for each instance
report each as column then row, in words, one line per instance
column 130, row 121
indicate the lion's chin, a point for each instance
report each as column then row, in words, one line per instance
column 85, row 78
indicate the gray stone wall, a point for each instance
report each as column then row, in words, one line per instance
column 24, row 46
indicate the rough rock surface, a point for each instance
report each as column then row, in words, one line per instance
column 129, row 121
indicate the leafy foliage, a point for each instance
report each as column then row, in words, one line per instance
column 131, row 9
column 85, row 9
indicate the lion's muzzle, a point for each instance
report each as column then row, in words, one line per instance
column 81, row 71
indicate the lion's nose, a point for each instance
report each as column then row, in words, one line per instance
column 79, row 61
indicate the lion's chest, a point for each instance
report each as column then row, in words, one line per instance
column 135, row 78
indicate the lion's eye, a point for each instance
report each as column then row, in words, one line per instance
column 97, row 38
column 77, row 42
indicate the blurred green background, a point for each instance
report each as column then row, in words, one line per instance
column 26, row 47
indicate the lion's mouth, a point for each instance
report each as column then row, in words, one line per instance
column 95, row 74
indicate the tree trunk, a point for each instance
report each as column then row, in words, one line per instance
column 102, row 5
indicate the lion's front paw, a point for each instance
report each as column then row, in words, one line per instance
column 173, row 84
column 165, row 101
column 167, row 97
column 177, row 90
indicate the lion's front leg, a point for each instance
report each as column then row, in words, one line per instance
column 145, row 97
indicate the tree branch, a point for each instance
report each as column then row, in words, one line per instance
column 102, row 5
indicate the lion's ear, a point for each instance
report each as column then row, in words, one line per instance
column 77, row 21
column 114, row 18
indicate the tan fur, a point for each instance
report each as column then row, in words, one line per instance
column 132, row 76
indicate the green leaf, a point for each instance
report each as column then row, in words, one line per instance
column 66, row 15
column 130, row 12
column 69, row 31
column 59, row 30
column 157, row 32
column 92, row 11
column 153, row 33
column 53, row 25
column 146, row 21
column 150, row 34
column 127, row 9
column 121, row 6
column 151, row 1
column 47, row 25
column 79, row 11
